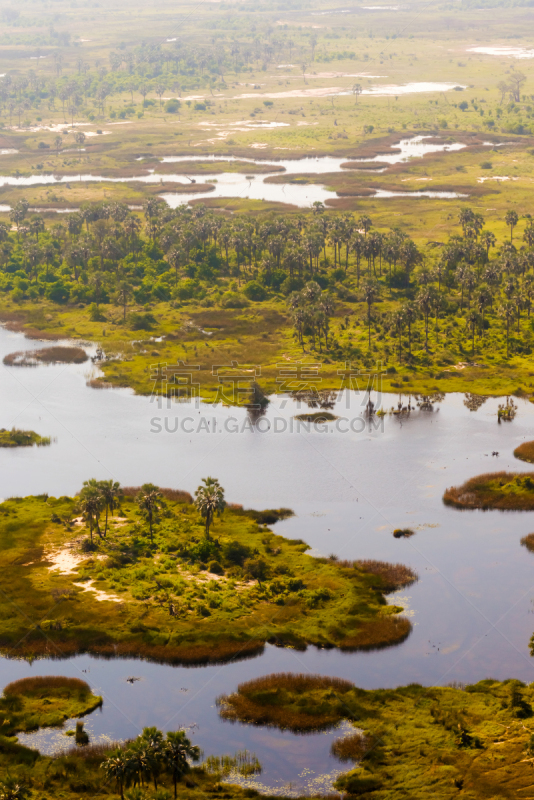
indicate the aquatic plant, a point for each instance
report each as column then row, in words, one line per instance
column 19, row 438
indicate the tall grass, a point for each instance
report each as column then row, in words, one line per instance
column 47, row 684
column 351, row 748
column 175, row 495
column 286, row 700
column 47, row 355
column 393, row 576
column 525, row 452
column 378, row 634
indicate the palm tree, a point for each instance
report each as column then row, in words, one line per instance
column 425, row 301
column 409, row 313
column 12, row 789
column 91, row 505
column 110, row 492
column 149, row 501
column 116, row 766
column 371, row 293
column 209, row 499
column 507, row 313
column 176, row 750
column 152, row 739
column 511, row 220
column 471, row 320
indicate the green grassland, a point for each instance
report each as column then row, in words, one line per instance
column 180, row 598
column 475, row 741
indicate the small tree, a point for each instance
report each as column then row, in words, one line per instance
column 110, row 492
column 149, row 501
column 257, row 568
column 116, row 767
column 511, row 220
column 209, row 500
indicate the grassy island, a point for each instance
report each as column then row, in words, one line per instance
column 411, row 741
column 43, row 702
column 18, row 438
column 153, row 579
column 506, row 491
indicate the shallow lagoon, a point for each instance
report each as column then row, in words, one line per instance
column 353, row 489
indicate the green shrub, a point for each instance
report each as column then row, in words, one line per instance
column 172, row 106
column 141, row 322
column 233, row 300
column 254, row 291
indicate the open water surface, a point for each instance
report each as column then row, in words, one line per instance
column 472, row 609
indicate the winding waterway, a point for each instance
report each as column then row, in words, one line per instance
column 472, row 609
column 237, row 185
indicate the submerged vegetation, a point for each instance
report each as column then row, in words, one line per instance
column 147, row 578
column 506, row 491
column 412, row 740
column 18, row 438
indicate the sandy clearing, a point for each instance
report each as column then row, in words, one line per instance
column 87, row 586
column 505, row 51
column 325, row 92
column 496, row 178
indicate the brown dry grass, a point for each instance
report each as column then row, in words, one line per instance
column 485, row 492
column 41, row 684
column 528, row 542
column 378, row 633
column 525, row 452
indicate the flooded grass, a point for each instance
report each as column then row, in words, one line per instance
column 48, row 355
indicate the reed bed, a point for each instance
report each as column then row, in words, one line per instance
column 528, row 542
column 525, row 452
column 351, row 748
column 47, row 355
column 47, row 684
column 175, row 495
column 506, row 491
column 393, row 576
column 296, row 702
column 378, row 634
column 186, row 655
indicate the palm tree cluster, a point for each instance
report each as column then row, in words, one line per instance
column 101, row 255
column 97, row 497
column 150, row 756
column 311, row 310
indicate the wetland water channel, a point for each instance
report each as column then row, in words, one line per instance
column 237, row 185
column 471, row 608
